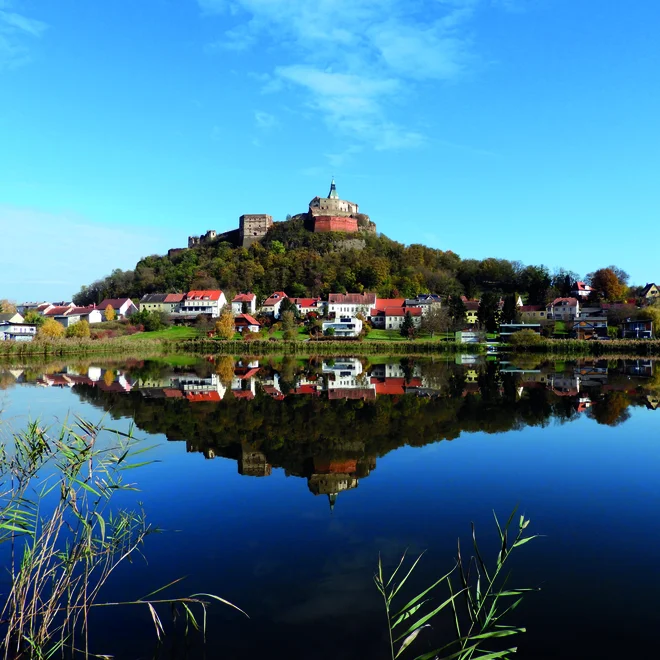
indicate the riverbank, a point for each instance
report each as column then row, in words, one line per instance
column 580, row 348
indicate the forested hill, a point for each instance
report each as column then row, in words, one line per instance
column 301, row 263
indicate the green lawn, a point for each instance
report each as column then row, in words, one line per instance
column 279, row 334
column 395, row 335
column 174, row 333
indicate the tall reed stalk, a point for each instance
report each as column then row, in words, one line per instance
column 66, row 540
column 477, row 600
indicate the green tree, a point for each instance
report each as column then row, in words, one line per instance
column 34, row 318
column 525, row 338
column 488, row 315
column 456, row 311
column 109, row 313
column 407, row 328
column 78, row 330
column 51, row 329
column 224, row 326
column 510, row 310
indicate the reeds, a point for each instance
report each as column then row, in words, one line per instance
column 71, row 346
column 477, row 600
column 579, row 347
column 67, row 540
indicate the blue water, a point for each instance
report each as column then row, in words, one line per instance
column 303, row 572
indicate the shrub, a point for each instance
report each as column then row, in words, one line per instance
column 79, row 330
column 51, row 329
column 525, row 338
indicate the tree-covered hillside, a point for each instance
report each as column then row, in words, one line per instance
column 299, row 262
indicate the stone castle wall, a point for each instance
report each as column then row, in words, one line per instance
column 326, row 223
column 253, row 227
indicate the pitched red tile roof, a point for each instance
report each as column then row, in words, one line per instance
column 82, row 310
column 249, row 320
column 352, row 299
column 382, row 303
column 40, row 308
column 581, row 286
column 204, row 295
column 249, row 373
column 531, row 308
column 57, row 311
column 402, row 311
column 172, row 393
column 244, row 297
column 306, row 302
column 243, row 394
column 274, row 298
column 174, row 297
column 471, row 305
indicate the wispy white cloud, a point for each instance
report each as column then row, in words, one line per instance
column 265, row 120
column 355, row 60
column 15, row 32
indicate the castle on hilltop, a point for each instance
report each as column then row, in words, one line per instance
column 325, row 214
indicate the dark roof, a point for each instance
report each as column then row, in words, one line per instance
column 153, row 298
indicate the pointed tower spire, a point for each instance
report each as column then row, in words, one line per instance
column 332, row 498
column 333, row 190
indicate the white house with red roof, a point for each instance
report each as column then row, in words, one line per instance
column 124, row 307
column 563, row 309
column 581, row 290
column 208, row 302
column 246, row 323
column 395, row 316
column 377, row 313
column 273, row 303
column 244, row 303
column 351, row 304
column 307, row 305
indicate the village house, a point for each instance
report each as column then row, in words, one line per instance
column 124, row 307
column 167, row 303
column 590, row 327
column 350, row 304
column 638, row 329
column 581, row 290
column 532, row 313
column 244, row 303
column 471, row 311
column 377, row 314
column 395, row 316
column 209, row 302
column 13, row 331
column 272, row 304
column 11, row 317
column 425, row 301
column 67, row 316
column 650, row 292
column 26, row 307
column 563, row 309
column 308, row 305
column 246, row 323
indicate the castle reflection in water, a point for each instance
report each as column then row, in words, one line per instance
column 219, row 406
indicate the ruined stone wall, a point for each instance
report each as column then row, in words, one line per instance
column 253, row 227
column 325, row 223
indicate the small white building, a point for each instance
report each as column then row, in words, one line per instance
column 11, row 317
column 124, row 307
column 395, row 316
column 307, row 305
column 343, row 326
column 563, row 309
column 244, row 303
column 273, row 303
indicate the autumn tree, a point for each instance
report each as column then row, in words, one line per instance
column 51, row 329
column 7, row 307
column 435, row 320
column 110, row 314
column 224, row 368
column 78, row 330
column 224, row 326
column 609, row 283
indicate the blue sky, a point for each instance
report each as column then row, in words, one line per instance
column 518, row 129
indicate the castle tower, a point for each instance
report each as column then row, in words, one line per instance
column 333, row 190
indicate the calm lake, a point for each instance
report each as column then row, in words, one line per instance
column 277, row 483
